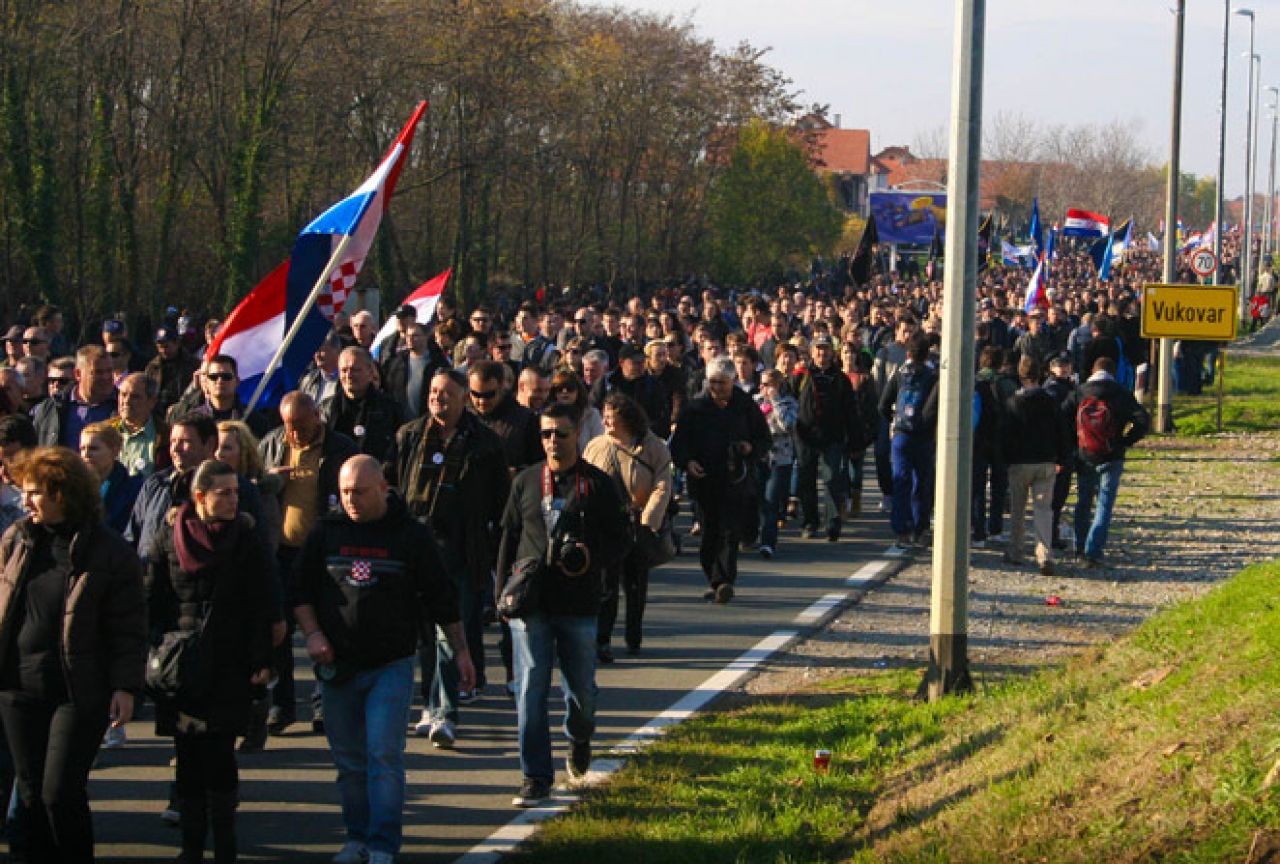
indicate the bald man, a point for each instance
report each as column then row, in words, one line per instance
column 368, row 581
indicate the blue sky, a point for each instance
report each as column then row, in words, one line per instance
column 885, row 66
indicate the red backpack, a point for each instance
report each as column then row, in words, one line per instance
column 1096, row 430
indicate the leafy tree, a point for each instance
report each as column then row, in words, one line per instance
column 768, row 208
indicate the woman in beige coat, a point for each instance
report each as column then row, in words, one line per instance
column 641, row 464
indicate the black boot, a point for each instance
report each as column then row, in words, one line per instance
column 195, row 825
column 222, row 817
column 255, row 736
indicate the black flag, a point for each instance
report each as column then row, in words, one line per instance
column 935, row 255
column 861, row 263
column 984, row 243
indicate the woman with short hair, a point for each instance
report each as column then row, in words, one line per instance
column 205, row 575
column 100, row 447
column 72, row 646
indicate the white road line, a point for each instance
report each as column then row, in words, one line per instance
column 867, row 574
column 521, row 828
column 821, row 607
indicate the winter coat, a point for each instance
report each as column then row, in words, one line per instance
column 104, row 627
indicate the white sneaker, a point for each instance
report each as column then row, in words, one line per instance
column 115, row 737
column 998, row 539
column 353, row 852
column 423, row 726
column 442, row 735
column 381, row 858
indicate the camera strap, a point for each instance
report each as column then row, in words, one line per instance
column 576, row 493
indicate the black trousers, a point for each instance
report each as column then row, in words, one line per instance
column 53, row 747
column 630, row 578
column 721, row 532
column 206, row 763
column 285, row 696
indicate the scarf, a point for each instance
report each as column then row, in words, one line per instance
column 202, row 546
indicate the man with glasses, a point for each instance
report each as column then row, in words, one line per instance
column 119, row 354
column 500, row 350
column 34, row 389
column 514, row 424
column 568, row 513
column 93, row 398
column 452, row 473
column 35, row 340
column 61, row 375
column 221, row 383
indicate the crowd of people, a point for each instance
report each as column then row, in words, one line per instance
column 508, row 473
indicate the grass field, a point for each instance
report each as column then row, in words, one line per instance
column 1251, row 403
column 1153, row 748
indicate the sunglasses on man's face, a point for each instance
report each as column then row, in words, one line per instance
column 115, row 355
column 483, row 394
column 580, row 321
column 219, row 376
column 548, row 434
column 58, row 382
column 34, row 341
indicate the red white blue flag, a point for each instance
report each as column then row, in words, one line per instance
column 423, row 299
column 257, row 326
column 1037, row 290
column 1082, row 223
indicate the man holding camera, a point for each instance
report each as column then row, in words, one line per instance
column 566, row 514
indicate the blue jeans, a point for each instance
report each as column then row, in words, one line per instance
column 364, row 721
column 830, row 459
column 441, row 694
column 1103, row 482
column 774, row 485
column 912, row 483
column 539, row 641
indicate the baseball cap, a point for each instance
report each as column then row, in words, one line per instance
column 14, row 333
column 1062, row 358
column 822, row 339
column 407, row 311
column 113, row 326
column 166, row 334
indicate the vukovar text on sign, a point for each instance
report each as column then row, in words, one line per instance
column 1189, row 312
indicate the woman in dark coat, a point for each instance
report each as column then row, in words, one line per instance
column 207, row 567
column 72, row 646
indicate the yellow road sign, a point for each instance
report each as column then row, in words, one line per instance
column 1189, row 312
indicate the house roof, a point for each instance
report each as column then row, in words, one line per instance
column 844, row 151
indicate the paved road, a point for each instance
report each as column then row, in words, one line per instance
column 458, row 799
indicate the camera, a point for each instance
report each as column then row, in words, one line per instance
column 571, row 554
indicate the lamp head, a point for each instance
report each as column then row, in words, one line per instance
column 1247, row 13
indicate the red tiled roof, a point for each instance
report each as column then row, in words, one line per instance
column 843, row 151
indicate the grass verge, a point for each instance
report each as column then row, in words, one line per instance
column 1251, row 402
column 1152, row 748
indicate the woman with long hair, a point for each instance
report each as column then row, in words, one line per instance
column 72, row 646
column 641, row 464
column 206, row 575
column 568, row 389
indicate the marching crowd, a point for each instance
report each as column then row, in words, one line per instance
column 513, row 471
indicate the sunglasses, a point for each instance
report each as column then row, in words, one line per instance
column 483, row 394
column 220, row 376
column 115, row 354
column 580, row 321
column 34, row 341
column 565, row 388
column 58, row 382
column 504, row 346
column 548, row 434
column 575, row 352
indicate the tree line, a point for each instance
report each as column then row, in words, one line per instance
column 158, row 152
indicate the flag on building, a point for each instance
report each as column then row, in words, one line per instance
column 424, row 299
column 259, row 325
column 1082, row 223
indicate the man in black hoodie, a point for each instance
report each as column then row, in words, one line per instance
column 1033, row 447
column 828, row 425
column 910, row 405
column 1108, row 421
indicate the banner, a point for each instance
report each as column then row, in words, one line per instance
column 909, row 217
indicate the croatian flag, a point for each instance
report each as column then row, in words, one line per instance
column 256, row 328
column 424, row 299
column 1082, row 223
column 1037, row 292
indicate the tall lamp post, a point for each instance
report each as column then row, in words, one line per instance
column 1248, row 172
column 1164, row 391
column 1222, row 141
column 1269, row 213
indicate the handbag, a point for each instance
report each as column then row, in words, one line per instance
column 655, row 548
column 521, row 593
column 175, row 670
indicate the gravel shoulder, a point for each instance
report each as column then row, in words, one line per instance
column 1191, row 512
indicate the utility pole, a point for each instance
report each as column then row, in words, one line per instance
column 1269, row 211
column 1246, row 214
column 1164, row 400
column 1222, row 142
column 949, row 610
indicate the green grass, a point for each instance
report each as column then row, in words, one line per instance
column 1251, row 400
column 1077, row 763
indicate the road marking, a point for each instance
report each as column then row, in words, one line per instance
column 867, row 574
column 821, row 607
column 522, row 827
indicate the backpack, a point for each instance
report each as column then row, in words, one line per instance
column 1126, row 375
column 1096, row 429
column 913, row 390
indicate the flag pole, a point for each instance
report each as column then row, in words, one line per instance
column 299, row 318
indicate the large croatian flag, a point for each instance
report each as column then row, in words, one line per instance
column 256, row 328
column 1082, row 223
column 1037, row 289
column 423, row 299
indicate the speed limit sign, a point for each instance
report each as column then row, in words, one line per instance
column 1204, row 262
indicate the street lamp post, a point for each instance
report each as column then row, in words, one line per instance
column 1164, row 391
column 1269, row 210
column 1222, row 141
column 1248, row 174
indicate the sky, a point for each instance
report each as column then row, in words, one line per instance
column 886, row 66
